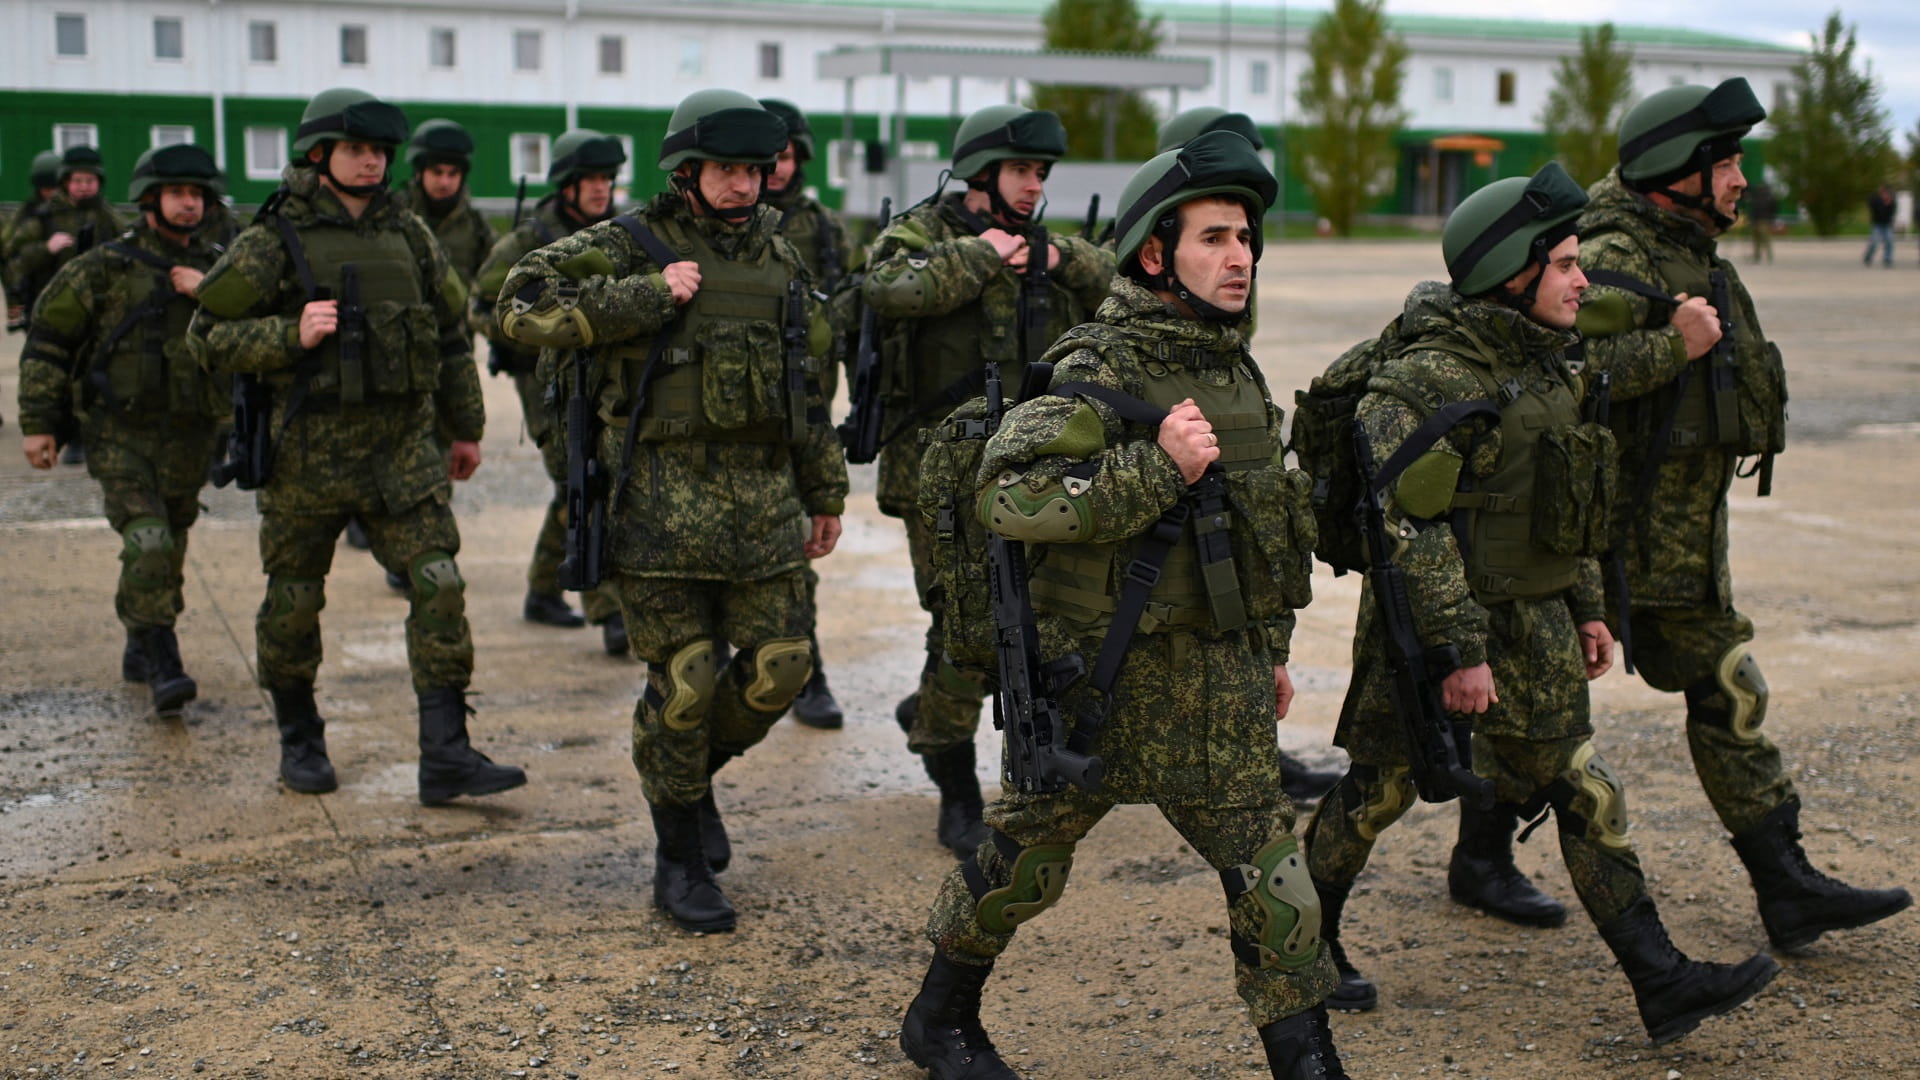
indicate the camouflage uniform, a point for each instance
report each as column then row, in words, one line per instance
column 29, row 265
column 464, row 232
column 965, row 288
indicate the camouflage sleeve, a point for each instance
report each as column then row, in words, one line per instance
column 820, row 465
column 1086, row 270
column 27, row 256
column 592, row 287
column 1625, row 336
column 912, row 275
column 1070, row 469
column 482, row 309
column 457, row 401
column 484, row 237
column 249, row 316
column 1587, row 599
column 57, row 337
column 1279, row 631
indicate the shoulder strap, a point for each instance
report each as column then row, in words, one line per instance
column 158, row 262
column 649, row 241
column 297, row 252
column 1129, row 407
column 542, row 232
column 1430, row 431
column 1617, row 280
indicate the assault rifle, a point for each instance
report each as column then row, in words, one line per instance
column 1026, row 703
column 519, row 201
column 580, row 567
column 352, row 333
column 860, row 432
column 794, row 332
column 1034, row 310
column 1415, row 674
column 1093, row 219
column 250, row 446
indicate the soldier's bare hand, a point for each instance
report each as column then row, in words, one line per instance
column 318, row 319
column 1188, row 439
column 683, row 278
column 1469, row 690
column 463, row 459
column 16, row 313
column 1596, row 648
column 1698, row 323
column 1282, row 690
column 59, row 242
column 185, row 279
column 1012, row 247
column 825, row 534
column 39, row 449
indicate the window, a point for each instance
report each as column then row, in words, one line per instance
column 769, row 59
column 693, row 58
column 169, row 134
column 263, row 43
column 70, row 35
column 1442, row 84
column 526, row 50
column 353, row 46
column 67, row 136
column 169, row 39
column 266, row 152
column 440, row 47
column 527, row 156
column 1257, row 77
column 1505, row 92
column 613, row 54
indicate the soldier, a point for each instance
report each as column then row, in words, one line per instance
column 1698, row 386
column 821, row 239
column 947, row 278
column 1094, row 482
column 1515, row 595
column 584, row 165
column 340, row 301
column 45, row 177
column 441, row 155
column 109, row 331
column 727, row 477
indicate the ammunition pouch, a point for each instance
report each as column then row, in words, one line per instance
column 1576, row 473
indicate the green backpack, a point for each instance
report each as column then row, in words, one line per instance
column 949, row 466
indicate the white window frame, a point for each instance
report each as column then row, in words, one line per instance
column 450, row 35
column 69, row 135
column 59, row 20
column 257, row 169
column 771, row 50
column 1502, row 79
column 272, row 40
column 619, row 41
column 691, row 49
column 366, row 45
column 521, row 40
column 518, row 166
column 1259, row 78
column 1443, row 85
column 158, row 135
column 624, row 178
column 180, row 26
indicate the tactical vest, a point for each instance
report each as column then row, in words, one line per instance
column 721, row 371
column 1082, row 582
column 808, row 230
column 141, row 363
column 392, row 347
column 459, row 237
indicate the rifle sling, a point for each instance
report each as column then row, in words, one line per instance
column 657, row 250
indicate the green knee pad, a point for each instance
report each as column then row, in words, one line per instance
column 1039, row 877
column 780, row 668
column 1739, row 677
column 1591, row 800
column 147, row 551
column 1376, row 805
column 683, row 689
column 439, row 592
column 293, row 606
column 1290, row 908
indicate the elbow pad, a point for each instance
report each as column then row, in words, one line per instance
column 1038, row 511
column 547, row 315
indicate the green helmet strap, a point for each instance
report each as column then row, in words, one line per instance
column 1550, row 194
column 744, row 135
column 1729, row 105
column 1039, row 132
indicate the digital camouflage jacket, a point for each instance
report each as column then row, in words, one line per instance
column 543, row 226
column 29, row 265
column 463, row 231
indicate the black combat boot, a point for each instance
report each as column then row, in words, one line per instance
column 613, row 635
column 449, row 765
column 133, row 659
column 959, row 826
column 1482, row 874
column 1302, row 782
column 357, row 534
column 942, row 1032
column 683, row 882
column 814, row 706
column 303, row 743
column 1300, row 1047
column 1355, row 992
column 550, row 609
column 1797, row 902
column 171, row 685
column 1675, row 993
column 904, row 713
column 713, row 831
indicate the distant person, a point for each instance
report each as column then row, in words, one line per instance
column 1762, row 207
column 1880, row 214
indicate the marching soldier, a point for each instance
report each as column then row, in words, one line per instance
column 44, row 174
column 441, row 155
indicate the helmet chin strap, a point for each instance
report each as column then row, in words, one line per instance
column 1167, row 229
column 989, row 182
column 359, row 191
column 733, row 215
column 577, row 212
column 1703, row 202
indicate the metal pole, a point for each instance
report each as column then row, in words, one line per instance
column 1226, row 54
column 566, row 81
column 1280, row 150
column 899, row 139
column 219, row 93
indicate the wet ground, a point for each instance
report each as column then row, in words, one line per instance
column 167, row 909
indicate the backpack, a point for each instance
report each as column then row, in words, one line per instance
column 961, row 592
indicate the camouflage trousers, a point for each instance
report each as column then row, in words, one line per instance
column 947, row 701
column 664, row 616
column 296, row 550
column 1605, row 871
column 550, row 547
column 150, row 473
column 1680, row 649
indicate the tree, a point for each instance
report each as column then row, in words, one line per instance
column 1830, row 141
column 1127, row 126
column 1591, row 92
column 1350, row 110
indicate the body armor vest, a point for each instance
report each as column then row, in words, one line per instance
column 391, row 346
column 1082, row 582
column 720, row 374
column 805, row 228
column 141, row 363
column 460, row 239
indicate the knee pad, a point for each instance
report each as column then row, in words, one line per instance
column 1738, row 675
column 1290, row 908
column 1375, row 802
column 1588, row 800
column 148, row 550
column 293, row 606
column 780, row 668
column 683, row 689
column 439, row 592
column 1038, row 877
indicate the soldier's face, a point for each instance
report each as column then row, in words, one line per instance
column 82, row 185
column 1022, row 183
column 1729, row 183
column 1214, row 257
column 47, row 193
column 442, row 181
column 182, row 205
column 353, row 164
column 729, row 185
column 593, row 194
column 784, row 167
column 1556, row 302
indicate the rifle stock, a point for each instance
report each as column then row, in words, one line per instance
column 580, row 566
column 860, row 432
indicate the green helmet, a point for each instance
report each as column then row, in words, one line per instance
column 1218, row 163
column 722, row 125
column 80, row 159
column 45, row 170
column 799, row 132
column 440, row 142
column 1194, row 123
column 1500, row 230
column 1003, row 133
column 179, row 163
column 1685, row 129
column 584, row 152
column 345, row 113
